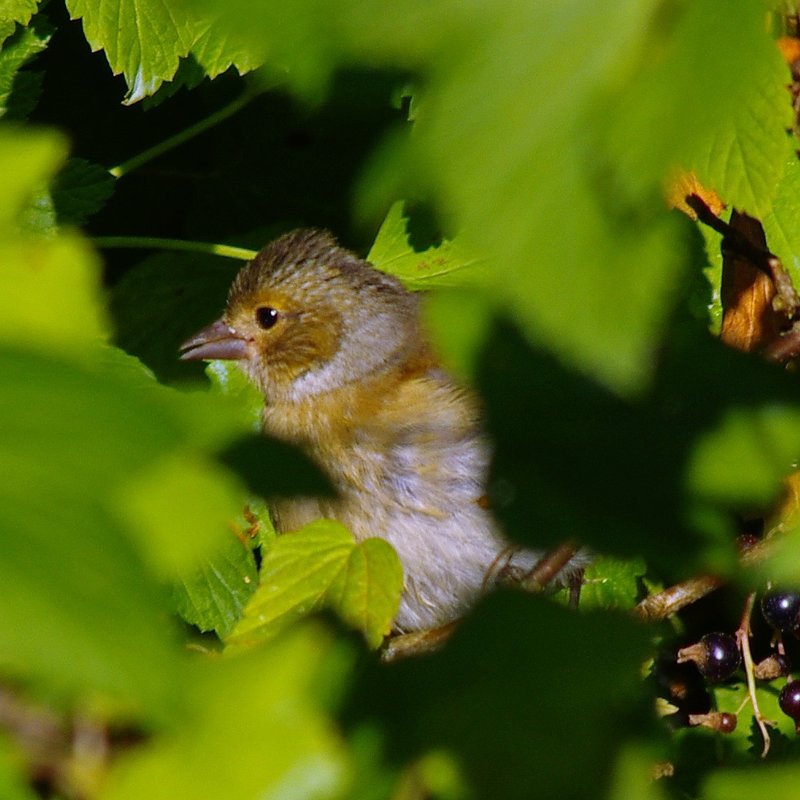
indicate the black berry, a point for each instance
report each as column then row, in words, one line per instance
column 716, row 655
column 790, row 699
column 781, row 609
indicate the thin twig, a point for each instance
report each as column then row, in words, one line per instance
column 183, row 245
column 743, row 638
column 203, row 125
column 664, row 604
column 548, row 568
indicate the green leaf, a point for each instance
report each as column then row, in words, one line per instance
column 12, row 783
column 228, row 380
column 74, row 584
column 321, row 565
column 181, row 499
column 27, row 161
column 80, row 190
column 51, row 296
column 163, row 300
column 780, row 225
column 447, row 264
column 14, row 54
column 217, row 49
column 750, row 149
column 13, row 12
column 612, row 583
column 366, row 594
column 252, row 727
column 213, row 595
column 478, row 696
column 772, row 780
column 744, row 458
column 633, row 776
column 143, row 40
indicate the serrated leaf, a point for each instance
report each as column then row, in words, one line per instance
column 447, row 264
column 14, row 54
column 13, row 12
column 366, row 594
column 612, row 583
column 163, row 300
column 780, row 225
column 732, row 698
column 217, row 49
column 213, row 595
column 748, row 154
column 252, row 727
column 321, row 565
column 79, row 190
column 144, row 40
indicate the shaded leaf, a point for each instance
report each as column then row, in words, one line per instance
column 482, row 682
column 15, row 52
column 271, row 468
column 80, row 190
column 162, row 301
column 611, row 583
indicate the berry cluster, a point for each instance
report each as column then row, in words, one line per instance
column 718, row 657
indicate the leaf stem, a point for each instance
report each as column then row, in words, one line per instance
column 184, row 245
column 185, row 135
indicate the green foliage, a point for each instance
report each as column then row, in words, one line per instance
column 507, row 158
column 322, row 565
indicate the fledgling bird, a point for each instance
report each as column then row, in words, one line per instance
column 338, row 351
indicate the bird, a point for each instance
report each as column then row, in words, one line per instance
column 339, row 352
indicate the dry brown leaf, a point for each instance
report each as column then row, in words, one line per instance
column 749, row 321
column 682, row 184
column 790, row 49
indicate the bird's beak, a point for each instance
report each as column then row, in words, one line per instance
column 217, row 340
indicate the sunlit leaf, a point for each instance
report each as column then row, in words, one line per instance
column 317, row 566
column 213, row 595
column 446, row 264
column 142, row 39
column 15, row 11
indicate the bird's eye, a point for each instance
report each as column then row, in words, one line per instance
column 266, row 317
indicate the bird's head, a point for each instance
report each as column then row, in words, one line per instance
column 306, row 316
